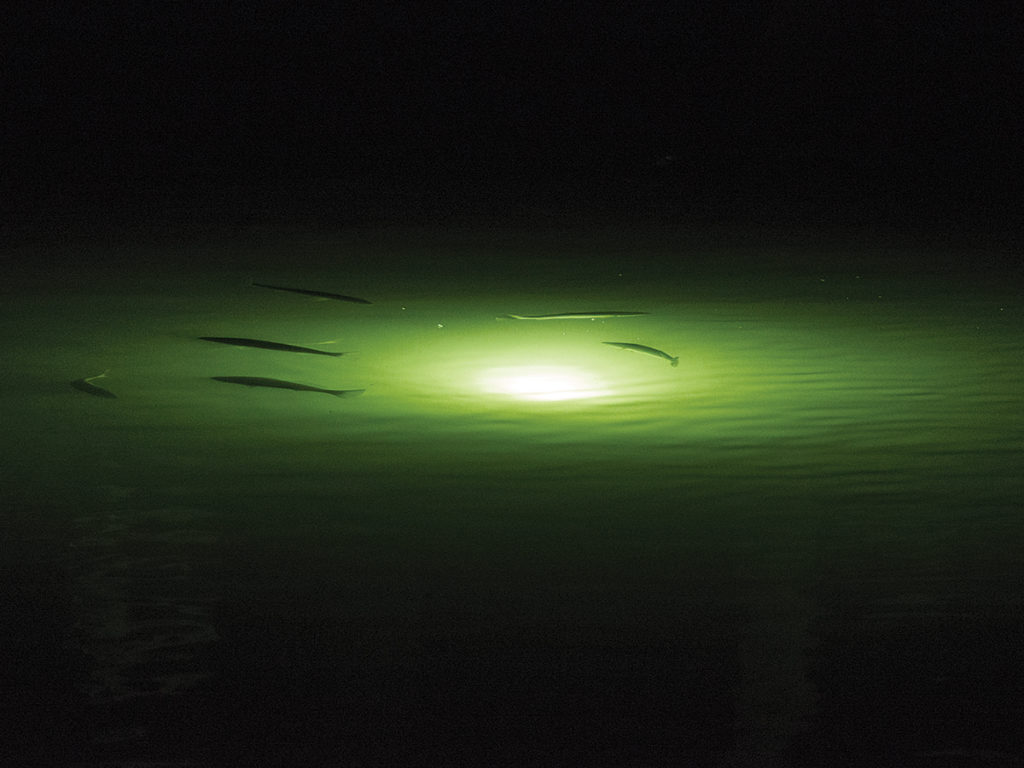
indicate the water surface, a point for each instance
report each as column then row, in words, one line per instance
column 520, row 546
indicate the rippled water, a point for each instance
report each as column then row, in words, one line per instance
column 803, row 540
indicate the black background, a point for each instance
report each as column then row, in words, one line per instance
column 891, row 114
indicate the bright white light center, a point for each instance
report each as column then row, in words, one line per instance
column 541, row 383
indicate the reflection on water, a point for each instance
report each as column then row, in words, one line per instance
column 520, row 535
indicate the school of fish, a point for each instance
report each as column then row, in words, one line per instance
column 85, row 384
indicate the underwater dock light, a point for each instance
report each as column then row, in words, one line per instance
column 542, row 383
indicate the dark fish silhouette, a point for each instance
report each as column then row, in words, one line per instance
column 318, row 294
column 85, row 385
column 573, row 316
column 674, row 361
column 259, row 381
column 260, row 344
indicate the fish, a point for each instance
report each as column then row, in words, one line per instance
column 86, row 385
column 317, row 294
column 273, row 345
column 259, row 381
column 573, row 316
column 674, row 361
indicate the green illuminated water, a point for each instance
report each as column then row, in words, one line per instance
column 803, row 540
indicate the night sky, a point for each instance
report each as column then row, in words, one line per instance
column 805, row 113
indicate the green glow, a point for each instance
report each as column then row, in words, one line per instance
column 542, row 383
column 819, row 462
column 465, row 364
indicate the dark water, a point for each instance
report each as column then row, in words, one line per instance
column 521, row 546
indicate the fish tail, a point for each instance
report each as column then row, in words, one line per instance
column 84, row 385
column 344, row 392
column 674, row 362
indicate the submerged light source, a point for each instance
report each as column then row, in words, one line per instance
column 542, row 383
